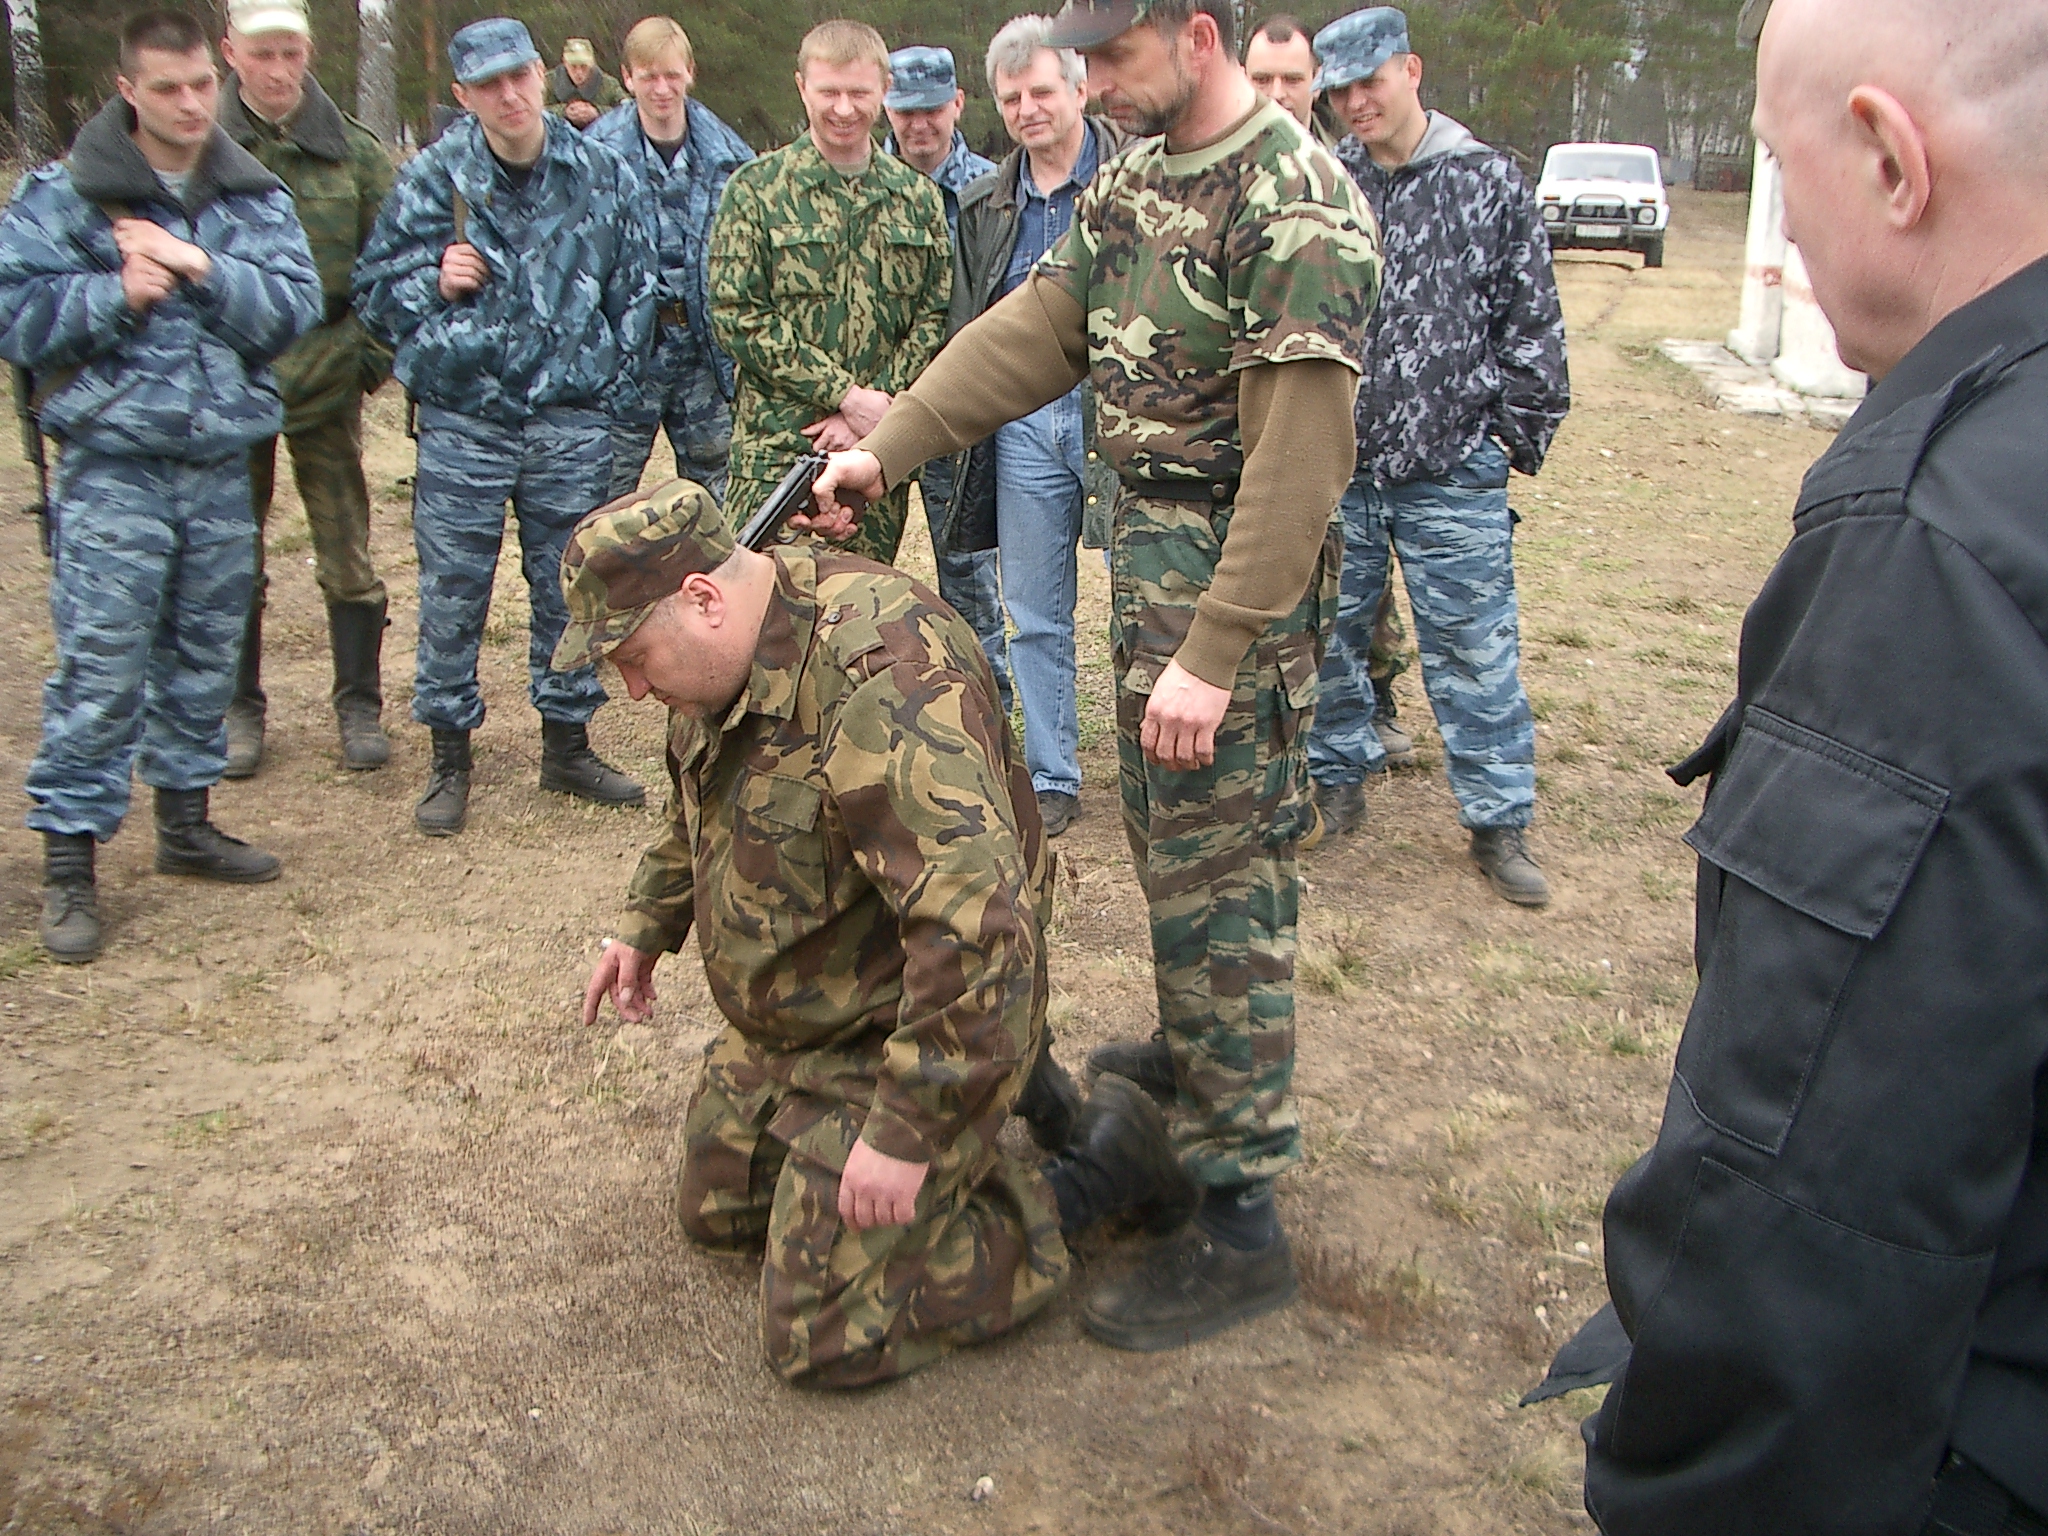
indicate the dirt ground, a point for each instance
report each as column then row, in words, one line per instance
column 323, row 1213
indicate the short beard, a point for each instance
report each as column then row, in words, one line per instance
column 1163, row 119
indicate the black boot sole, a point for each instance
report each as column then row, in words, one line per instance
column 1151, row 1339
column 171, row 866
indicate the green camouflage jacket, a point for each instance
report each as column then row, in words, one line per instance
column 819, row 284
column 1258, row 248
column 859, row 849
column 339, row 175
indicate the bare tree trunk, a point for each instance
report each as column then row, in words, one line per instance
column 430, row 50
column 376, row 69
column 31, row 112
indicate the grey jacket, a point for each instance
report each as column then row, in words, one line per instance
column 989, row 219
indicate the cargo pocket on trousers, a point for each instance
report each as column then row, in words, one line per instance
column 1772, row 1312
column 1287, row 695
column 1815, row 842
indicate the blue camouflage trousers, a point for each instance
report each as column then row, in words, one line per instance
column 155, row 567
column 553, row 468
column 967, row 579
column 1455, row 540
column 682, row 395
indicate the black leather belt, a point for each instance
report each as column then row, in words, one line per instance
column 672, row 314
column 1216, row 492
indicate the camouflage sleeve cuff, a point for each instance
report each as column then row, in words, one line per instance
column 649, row 934
column 892, row 1135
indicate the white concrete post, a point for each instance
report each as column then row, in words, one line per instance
column 1755, row 337
column 1807, row 360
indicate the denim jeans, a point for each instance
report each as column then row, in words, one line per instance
column 1039, row 463
column 1455, row 540
column 967, row 580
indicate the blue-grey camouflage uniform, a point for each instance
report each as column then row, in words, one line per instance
column 515, row 383
column 968, row 579
column 154, row 413
column 1465, row 376
column 688, row 384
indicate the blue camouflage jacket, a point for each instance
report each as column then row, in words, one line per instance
column 961, row 166
column 567, row 317
column 188, row 379
column 1468, row 339
column 685, row 197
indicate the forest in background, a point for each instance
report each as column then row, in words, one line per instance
column 1523, row 74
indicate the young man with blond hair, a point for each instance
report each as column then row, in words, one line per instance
column 684, row 153
column 830, row 273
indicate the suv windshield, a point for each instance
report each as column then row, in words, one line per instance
column 1599, row 165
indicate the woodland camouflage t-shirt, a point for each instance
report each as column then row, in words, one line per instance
column 1258, row 248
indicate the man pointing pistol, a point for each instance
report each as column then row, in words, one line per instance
column 1215, row 286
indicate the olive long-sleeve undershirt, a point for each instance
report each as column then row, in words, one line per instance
column 1300, row 446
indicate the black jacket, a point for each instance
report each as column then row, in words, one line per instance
column 1833, row 1264
column 1468, row 339
column 989, row 218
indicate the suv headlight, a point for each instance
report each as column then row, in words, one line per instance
column 1646, row 215
column 1552, row 213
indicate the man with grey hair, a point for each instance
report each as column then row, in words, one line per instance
column 1029, row 490
column 1830, row 1274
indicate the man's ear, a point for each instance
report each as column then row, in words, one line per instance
column 1894, row 149
column 703, row 599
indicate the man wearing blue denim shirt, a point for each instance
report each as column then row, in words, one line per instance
column 924, row 103
column 1464, row 378
column 1042, row 482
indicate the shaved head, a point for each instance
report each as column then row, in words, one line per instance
column 1913, row 137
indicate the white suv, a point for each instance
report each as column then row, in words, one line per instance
column 1605, row 197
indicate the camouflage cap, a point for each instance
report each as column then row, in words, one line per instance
column 627, row 556
column 1090, row 23
column 254, row 18
column 1353, row 47
column 921, row 79
column 484, row 49
column 578, row 50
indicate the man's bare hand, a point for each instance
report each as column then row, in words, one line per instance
column 834, row 434
column 1180, row 723
column 139, row 237
column 863, row 410
column 143, row 282
column 877, row 1190
column 626, row 976
column 463, row 271
column 858, row 474
column 580, row 112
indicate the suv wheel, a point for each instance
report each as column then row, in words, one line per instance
column 1653, row 252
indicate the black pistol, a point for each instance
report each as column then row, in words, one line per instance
column 792, row 496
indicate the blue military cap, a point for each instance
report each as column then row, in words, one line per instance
column 494, row 46
column 921, row 79
column 1352, row 47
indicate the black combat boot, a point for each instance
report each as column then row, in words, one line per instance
column 1386, row 716
column 1120, row 1162
column 245, row 714
column 188, row 844
column 1340, row 810
column 356, row 631
column 1050, row 1103
column 445, row 806
column 569, row 767
column 1195, row 1284
column 70, row 928
column 1148, row 1063
column 1504, row 857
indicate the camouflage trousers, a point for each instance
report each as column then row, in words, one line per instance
column 1455, row 540
column 1215, row 847
column 553, row 468
column 1387, row 658
column 967, row 578
column 154, row 568
column 686, row 401
column 327, row 466
column 841, row 1308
